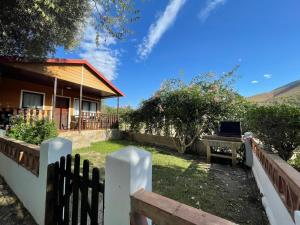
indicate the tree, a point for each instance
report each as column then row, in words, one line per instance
column 196, row 108
column 188, row 111
column 34, row 28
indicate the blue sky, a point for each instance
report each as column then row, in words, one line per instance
column 198, row 36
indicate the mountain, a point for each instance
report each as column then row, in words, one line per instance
column 290, row 91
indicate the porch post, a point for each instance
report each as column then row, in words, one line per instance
column 54, row 97
column 80, row 101
column 118, row 106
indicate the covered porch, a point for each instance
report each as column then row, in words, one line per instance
column 69, row 92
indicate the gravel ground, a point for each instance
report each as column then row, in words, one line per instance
column 12, row 211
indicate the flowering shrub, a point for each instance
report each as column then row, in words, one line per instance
column 187, row 111
column 34, row 133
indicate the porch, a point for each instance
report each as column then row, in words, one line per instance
column 68, row 92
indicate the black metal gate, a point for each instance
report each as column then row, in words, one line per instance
column 72, row 197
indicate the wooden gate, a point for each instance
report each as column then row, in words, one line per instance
column 72, row 197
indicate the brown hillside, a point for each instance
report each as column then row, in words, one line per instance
column 290, row 91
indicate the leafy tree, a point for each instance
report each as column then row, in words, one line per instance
column 123, row 113
column 188, row 111
column 277, row 126
column 114, row 110
column 34, row 28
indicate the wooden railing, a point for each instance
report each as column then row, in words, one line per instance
column 94, row 121
column 24, row 154
column 285, row 178
column 89, row 121
column 29, row 115
column 165, row 211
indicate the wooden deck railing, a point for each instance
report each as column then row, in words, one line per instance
column 95, row 121
column 89, row 121
column 285, row 178
column 165, row 211
column 24, row 154
column 28, row 115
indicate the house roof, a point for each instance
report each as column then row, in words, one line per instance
column 67, row 61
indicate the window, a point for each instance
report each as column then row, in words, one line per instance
column 32, row 100
column 87, row 106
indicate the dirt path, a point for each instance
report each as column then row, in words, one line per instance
column 12, row 212
column 243, row 201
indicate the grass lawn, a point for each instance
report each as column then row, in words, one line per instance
column 219, row 189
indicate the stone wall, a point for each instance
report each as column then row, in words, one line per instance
column 87, row 137
column 162, row 141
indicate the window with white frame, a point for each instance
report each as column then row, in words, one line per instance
column 87, row 106
column 32, row 100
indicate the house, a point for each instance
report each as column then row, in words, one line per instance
column 56, row 88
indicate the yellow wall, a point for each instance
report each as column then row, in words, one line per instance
column 71, row 73
column 10, row 93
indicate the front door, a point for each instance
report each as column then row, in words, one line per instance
column 62, row 112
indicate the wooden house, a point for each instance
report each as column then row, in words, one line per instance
column 67, row 91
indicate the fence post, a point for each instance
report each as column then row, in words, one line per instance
column 2, row 133
column 297, row 217
column 126, row 171
column 50, row 152
column 248, row 149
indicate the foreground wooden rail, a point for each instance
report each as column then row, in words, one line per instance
column 285, row 178
column 165, row 211
column 24, row 154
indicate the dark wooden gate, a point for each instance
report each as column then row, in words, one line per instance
column 72, row 197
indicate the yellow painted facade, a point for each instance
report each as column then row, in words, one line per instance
column 67, row 72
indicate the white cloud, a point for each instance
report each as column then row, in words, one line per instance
column 254, row 82
column 158, row 28
column 103, row 57
column 211, row 5
column 268, row 76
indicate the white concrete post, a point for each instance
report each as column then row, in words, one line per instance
column 50, row 152
column 2, row 133
column 297, row 217
column 248, row 148
column 29, row 188
column 126, row 171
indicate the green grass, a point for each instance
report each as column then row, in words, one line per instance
column 188, row 180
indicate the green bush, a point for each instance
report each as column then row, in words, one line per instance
column 35, row 133
column 295, row 162
column 277, row 126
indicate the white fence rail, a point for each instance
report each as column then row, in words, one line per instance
column 276, row 181
column 29, row 187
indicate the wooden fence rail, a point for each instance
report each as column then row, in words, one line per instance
column 165, row 211
column 24, row 154
column 29, row 115
column 285, row 178
column 93, row 121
